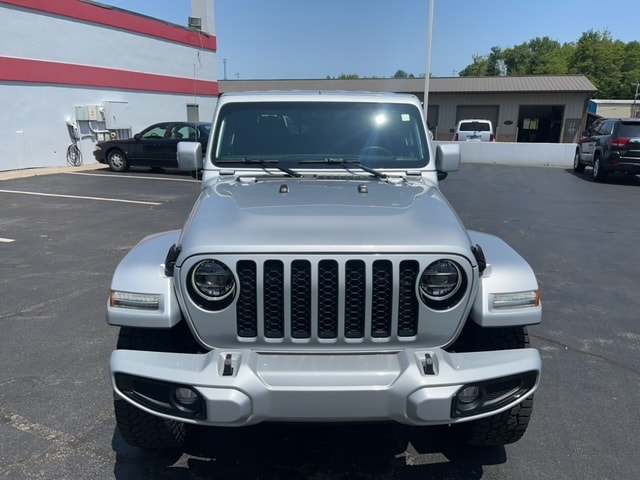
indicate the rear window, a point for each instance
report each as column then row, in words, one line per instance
column 629, row 129
column 475, row 127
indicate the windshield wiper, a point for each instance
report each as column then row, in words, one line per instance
column 261, row 162
column 347, row 163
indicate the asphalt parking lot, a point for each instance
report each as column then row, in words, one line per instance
column 62, row 235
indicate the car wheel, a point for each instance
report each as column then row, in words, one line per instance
column 117, row 161
column 578, row 166
column 137, row 427
column 140, row 429
column 501, row 429
column 508, row 426
column 599, row 173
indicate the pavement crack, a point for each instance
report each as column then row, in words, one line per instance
column 564, row 346
column 61, row 441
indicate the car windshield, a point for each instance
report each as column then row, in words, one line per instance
column 304, row 134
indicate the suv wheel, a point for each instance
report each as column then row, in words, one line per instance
column 578, row 166
column 509, row 426
column 599, row 173
column 143, row 430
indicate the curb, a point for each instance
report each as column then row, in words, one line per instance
column 34, row 172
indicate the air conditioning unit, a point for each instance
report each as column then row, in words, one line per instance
column 195, row 23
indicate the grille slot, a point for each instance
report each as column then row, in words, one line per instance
column 327, row 299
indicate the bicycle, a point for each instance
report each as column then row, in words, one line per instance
column 74, row 155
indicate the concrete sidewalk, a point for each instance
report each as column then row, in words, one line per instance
column 34, row 172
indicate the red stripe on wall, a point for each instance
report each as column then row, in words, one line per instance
column 41, row 71
column 121, row 19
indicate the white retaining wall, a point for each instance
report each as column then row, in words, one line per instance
column 525, row 154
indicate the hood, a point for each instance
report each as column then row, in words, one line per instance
column 315, row 216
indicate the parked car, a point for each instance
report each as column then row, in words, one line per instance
column 609, row 145
column 474, row 130
column 155, row 146
column 322, row 276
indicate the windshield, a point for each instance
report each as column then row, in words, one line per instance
column 378, row 135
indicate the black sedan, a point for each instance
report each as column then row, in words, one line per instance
column 155, row 146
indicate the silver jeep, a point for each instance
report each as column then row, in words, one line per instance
column 322, row 277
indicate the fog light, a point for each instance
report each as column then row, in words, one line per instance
column 469, row 394
column 185, row 396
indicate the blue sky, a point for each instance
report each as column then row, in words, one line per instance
column 305, row 39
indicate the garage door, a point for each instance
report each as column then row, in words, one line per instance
column 488, row 112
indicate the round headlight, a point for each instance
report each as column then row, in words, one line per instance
column 442, row 280
column 213, row 280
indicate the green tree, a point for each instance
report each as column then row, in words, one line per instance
column 612, row 65
column 403, row 74
column 485, row 66
column 600, row 59
column 479, row 67
column 495, row 62
column 348, row 76
column 631, row 70
column 540, row 56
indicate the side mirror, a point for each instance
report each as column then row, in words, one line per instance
column 452, row 130
column 189, row 156
column 447, row 157
column 137, row 136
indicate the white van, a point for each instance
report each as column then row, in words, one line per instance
column 474, row 130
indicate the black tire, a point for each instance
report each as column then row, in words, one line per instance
column 578, row 166
column 599, row 174
column 140, row 429
column 137, row 427
column 508, row 426
column 117, row 161
column 501, row 429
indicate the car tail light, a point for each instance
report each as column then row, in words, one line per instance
column 620, row 142
column 492, row 138
column 455, row 137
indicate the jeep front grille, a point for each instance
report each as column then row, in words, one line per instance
column 327, row 299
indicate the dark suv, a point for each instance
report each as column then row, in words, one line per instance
column 610, row 145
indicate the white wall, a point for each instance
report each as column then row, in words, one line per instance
column 524, row 154
column 33, row 131
column 35, row 134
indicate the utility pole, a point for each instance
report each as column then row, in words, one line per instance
column 426, row 77
column 634, row 114
column 224, row 63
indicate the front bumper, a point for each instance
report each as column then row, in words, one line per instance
column 244, row 387
column 99, row 155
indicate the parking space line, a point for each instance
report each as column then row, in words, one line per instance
column 137, row 177
column 81, row 197
column 6, row 240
